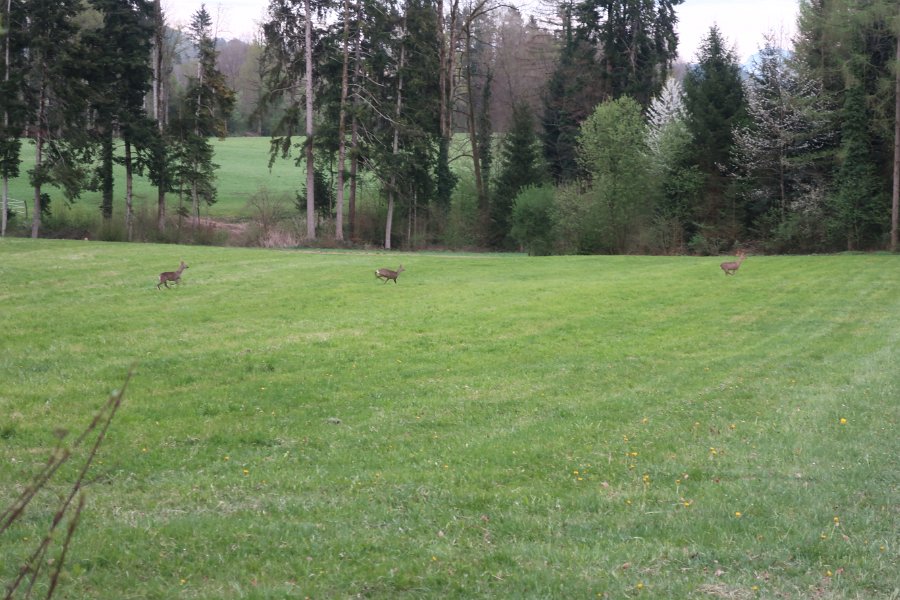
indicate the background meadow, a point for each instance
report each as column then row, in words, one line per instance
column 490, row 426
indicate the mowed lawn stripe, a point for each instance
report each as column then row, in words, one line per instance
column 488, row 426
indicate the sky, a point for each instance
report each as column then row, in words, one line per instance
column 741, row 22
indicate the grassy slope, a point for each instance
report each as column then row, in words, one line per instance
column 509, row 427
column 243, row 171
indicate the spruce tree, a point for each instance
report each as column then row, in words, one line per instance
column 12, row 103
column 858, row 204
column 715, row 102
column 119, row 73
column 208, row 105
column 519, row 167
column 56, row 93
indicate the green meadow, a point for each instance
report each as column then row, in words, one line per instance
column 243, row 171
column 491, row 426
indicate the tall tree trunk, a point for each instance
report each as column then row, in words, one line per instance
column 159, row 107
column 5, row 207
column 310, row 163
column 396, row 149
column 129, row 194
column 895, row 198
column 195, row 196
column 342, row 150
column 473, row 134
column 38, row 160
column 106, row 174
column 354, row 129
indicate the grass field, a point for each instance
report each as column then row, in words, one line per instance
column 491, row 426
column 243, row 171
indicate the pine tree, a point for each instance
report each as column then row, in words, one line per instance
column 55, row 90
column 519, row 167
column 119, row 74
column 849, row 44
column 637, row 43
column 716, row 105
column 858, row 205
column 208, row 105
column 12, row 105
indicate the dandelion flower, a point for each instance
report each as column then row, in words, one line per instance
column 738, row 514
column 843, row 421
column 246, row 471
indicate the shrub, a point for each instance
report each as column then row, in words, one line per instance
column 533, row 220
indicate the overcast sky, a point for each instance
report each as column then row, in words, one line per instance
column 742, row 22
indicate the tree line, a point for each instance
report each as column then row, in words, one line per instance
column 581, row 133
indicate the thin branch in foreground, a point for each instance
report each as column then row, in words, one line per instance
column 33, row 565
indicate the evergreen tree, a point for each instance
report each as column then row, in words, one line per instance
column 716, row 105
column 858, row 205
column 208, row 105
column 119, row 74
column 290, row 42
column 637, row 43
column 12, row 67
column 519, row 167
column 611, row 48
column 850, row 44
column 573, row 90
column 55, row 90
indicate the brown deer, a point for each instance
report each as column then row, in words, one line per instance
column 173, row 276
column 388, row 274
column 731, row 266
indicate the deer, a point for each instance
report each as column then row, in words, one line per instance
column 731, row 266
column 389, row 274
column 173, row 276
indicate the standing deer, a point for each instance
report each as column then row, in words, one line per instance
column 388, row 274
column 731, row 266
column 173, row 276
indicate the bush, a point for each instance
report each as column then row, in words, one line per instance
column 533, row 220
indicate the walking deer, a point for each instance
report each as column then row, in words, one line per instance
column 731, row 266
column 173, row 276
column 389, row 274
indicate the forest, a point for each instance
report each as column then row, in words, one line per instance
column 573, row 130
